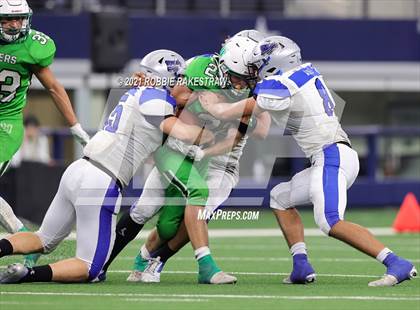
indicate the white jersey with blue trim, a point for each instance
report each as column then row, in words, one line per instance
column 301, row 104
column 128, row 137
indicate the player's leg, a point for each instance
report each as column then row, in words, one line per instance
column 170, row 217
column 11, row 137
column 329, row 185
column 197, row 230
column 194, row 187
column 96, row 225
column 56, row 225
column 96, row 199
column 220, row 184
column 284, row 198
column 93, row 199
column 7, row 218
column 131, row 222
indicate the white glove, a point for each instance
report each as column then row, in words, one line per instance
column 79, row 134
column 195, row 153
column 192, row 151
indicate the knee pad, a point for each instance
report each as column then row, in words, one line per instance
column 141, row 214
column 280, row 196
column 326, row 221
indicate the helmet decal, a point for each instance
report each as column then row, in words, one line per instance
column 268, row 48
column 173, row 65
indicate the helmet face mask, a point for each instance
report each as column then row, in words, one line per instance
column 15, row 20
column 234, row 58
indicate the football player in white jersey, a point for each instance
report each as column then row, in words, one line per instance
column 221, row 177
column 299, row 102
column 90, row 190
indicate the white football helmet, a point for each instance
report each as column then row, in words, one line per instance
column 252, row 34
column 165, row 64
column 12, row 9
column 235, row 57
column 275, row 55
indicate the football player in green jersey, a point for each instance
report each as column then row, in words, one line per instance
column 24, row 52
column 202, row 73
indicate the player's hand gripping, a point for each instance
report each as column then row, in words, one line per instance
column 79, row 134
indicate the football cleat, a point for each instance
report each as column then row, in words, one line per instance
column 152, row 272
column 14, row 273
column 222, row 278
column 302, row 273
column 134, row 276
column 398, row 270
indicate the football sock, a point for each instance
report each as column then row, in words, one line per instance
column 201, row 252
column 144, row 252
column 6, row 248
column 164, row 252
column 142, row 259
column 38, row 274
column 298, row 248
column 207, row 267
column 126, row 231
column 383, row 255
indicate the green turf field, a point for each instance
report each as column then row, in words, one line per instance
column 260, row 263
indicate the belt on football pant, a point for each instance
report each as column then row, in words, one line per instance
column 105, row 170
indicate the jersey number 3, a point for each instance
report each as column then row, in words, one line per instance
column 328, row 102
column 9, row 83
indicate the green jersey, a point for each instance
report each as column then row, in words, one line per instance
column 16, row 60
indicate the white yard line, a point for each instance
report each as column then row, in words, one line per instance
column 215, row 296
column 333, row 275
column 266, row 259
column 255, row 232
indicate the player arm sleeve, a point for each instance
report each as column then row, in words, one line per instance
column 156, row 110
column 42, row 50
column 273, row 104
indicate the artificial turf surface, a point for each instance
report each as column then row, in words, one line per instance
column 260, row 263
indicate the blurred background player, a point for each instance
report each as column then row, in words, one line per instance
column 300, row 103
column 35, row 146
column 24, row 52
column 89, row 194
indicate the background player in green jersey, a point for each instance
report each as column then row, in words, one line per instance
column 24, row 52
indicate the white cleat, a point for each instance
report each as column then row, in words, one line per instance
column 134, row 276
column 223, row 278
column 390, row 280
column 152, row 272
column 13, row 274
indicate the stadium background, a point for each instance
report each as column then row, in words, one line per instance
column 368, row 52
